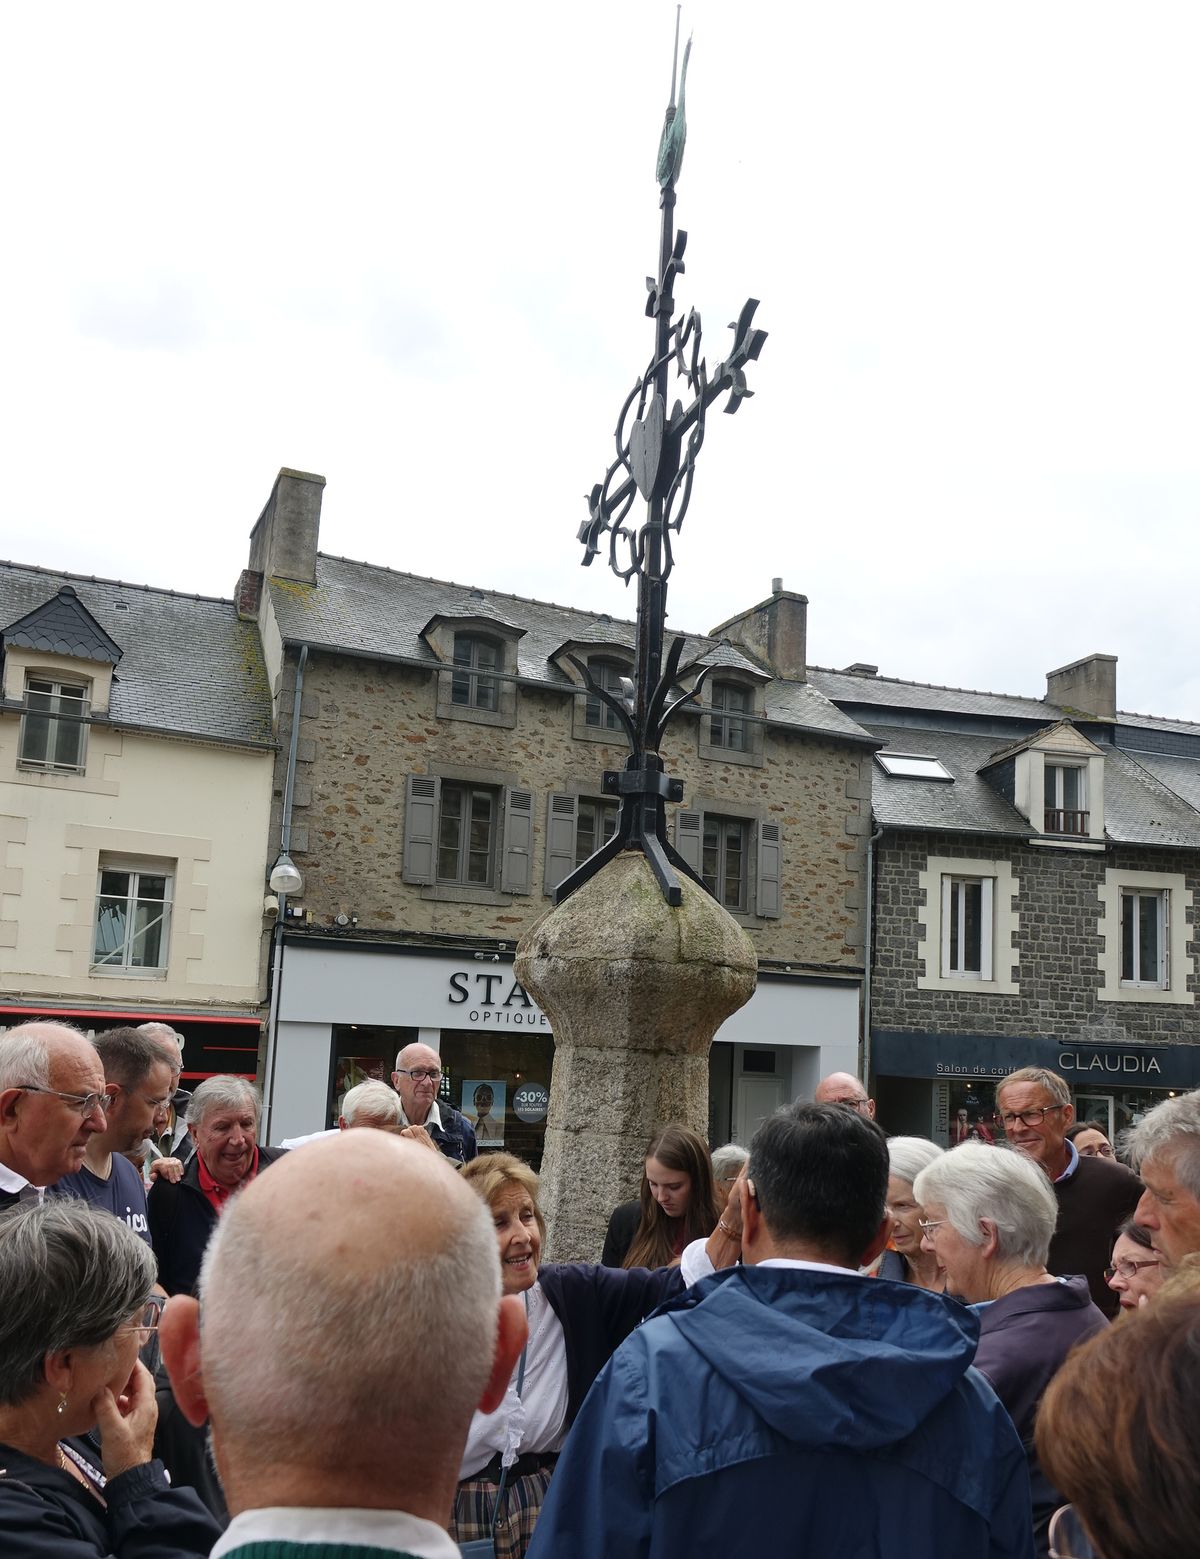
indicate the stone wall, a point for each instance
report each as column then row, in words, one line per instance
column 1058, row 945
column 366, row 726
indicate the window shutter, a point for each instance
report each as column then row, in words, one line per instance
column 986, row 936
column 562, row 812
column 515, row 872
column 421, row 794
column 770, row 869
column 689, row 837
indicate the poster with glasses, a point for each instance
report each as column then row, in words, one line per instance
column 483, row 1103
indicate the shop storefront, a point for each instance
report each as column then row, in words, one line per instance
column 212, row 1041
column 345, row 1009
column 943, row 1085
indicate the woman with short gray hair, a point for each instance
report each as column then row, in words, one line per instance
column 989, row 1217
column 905, row 1261
column 75, row 1307
column 727, row 1164
column 223, row 1119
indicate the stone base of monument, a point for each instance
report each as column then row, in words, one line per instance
column 634, row 991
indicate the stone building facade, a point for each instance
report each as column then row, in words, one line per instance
column 1034, row 896
column 447, row 778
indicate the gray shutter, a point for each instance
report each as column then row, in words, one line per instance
column 770, row 869
column 516, row 873
column 562, row 812
column 421, row 795
column 689, row 838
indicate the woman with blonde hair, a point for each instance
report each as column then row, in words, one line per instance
column 578, row 1315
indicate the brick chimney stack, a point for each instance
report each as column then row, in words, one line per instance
column 775, row 632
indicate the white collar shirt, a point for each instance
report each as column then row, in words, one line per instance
column 390, row 1531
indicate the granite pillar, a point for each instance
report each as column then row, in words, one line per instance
column 634, row 991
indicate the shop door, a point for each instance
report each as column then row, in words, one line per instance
column 757, row 1097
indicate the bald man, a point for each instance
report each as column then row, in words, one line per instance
column 417, row 1078
column 353, row 1321
column 52, row 1100
column 841, row 1088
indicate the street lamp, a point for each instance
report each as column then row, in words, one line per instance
column 285, row 876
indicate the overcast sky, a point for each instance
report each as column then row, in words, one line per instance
column 404, row 246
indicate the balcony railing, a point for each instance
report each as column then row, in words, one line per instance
column 1061, row 821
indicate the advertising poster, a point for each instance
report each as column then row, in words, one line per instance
column 483, row 1105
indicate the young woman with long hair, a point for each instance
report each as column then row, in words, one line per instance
column 677, row 1204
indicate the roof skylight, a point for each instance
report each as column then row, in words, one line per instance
column 913, row 765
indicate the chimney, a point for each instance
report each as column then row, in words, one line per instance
column 774, row 632
column 283, row 543
column 1087, row 687
column 247, row 595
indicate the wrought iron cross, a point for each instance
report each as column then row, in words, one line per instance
column 656, row 457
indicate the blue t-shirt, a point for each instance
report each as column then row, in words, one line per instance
column 122, row 1194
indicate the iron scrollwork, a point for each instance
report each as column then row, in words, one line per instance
column 655, row 458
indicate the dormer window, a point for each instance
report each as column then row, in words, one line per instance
column 1066, row 799
column 607, row 674
column 727, row 726
column 54, row 729
column 472, row 685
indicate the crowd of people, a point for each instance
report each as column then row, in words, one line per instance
column 831, row 1339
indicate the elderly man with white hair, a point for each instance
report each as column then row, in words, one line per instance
column 990, row 1214
column 168, row 1151
column 52, row 1100
column 223, row 1119
column 335, row 1436
column 1165, row 1146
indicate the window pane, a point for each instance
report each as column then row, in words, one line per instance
column 460, row 688
column 35, row 739
column 146, row 945
column 709, row 856
column 68, row 743
column 972, row 927
column 733, row 866
column 1149, row 906
column 114, row 883
column 486, row 693
column 1072, row 790
column 1128, row 935
column 110, row 930
column 151, row 887
column 1052, row 773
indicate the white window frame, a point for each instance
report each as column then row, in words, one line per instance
column 134, row 870
column 1159, row 901
column 1060, row 766
column 954, row 918
column 60, row 687
column 1177, row 967
column 999, row 925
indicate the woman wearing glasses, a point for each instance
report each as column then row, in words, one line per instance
column 1137, row 1271
column 906, row 1260
column 989, row 1218
column 74, row 1310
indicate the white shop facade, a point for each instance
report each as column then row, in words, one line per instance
column 343, row 1009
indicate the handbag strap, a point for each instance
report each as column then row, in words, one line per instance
column 499, row 1505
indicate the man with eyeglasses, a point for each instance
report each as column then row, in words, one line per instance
column 417, row 1078
column 51, row 1102
column 841, row 1088
column 1095, row 1195
column 137, row 1082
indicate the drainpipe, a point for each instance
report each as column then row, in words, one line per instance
column 869, row 933
column 285, row 844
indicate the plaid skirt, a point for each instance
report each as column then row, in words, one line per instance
column 475, row 1508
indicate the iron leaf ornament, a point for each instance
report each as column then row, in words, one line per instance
column 656, row 453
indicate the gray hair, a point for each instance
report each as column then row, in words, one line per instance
column 404, row 1350
column 128, row 1055
column 69, row 1275
column 1057, row 1087
column 372, row 1101
column 975, row 1181
column 908, row 1156
column 25, row 1054
column 163, row 1033
column 1172, row 1127
column 224, row 1092
column 728, row 1160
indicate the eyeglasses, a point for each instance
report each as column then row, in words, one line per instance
column 146, row 1324
column 1129, row 1269
column 1066, row 1538
column 854, row 1104
column 85, row 1103
column 1103, row 1151
column 1028, row 1117
column 927, row 1226
column 420, row 1073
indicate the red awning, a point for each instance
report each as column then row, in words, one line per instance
column 144, row 1015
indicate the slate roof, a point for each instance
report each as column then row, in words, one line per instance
column 365, row 609
column 1147, row 800
column 62, row 625
column 893, row 693
column 188, row 665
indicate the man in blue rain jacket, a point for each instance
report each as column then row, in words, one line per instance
column 790, row 1405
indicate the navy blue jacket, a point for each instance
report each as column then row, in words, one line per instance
column 181, row 1221
column 776, row 1410
column 46, row 1514
column 455, row 1136
column 598, row 1308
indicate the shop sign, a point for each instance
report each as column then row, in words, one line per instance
column 945, row 1056
column 1120, row 1061
column 497, row 1000
column 531, row 1101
